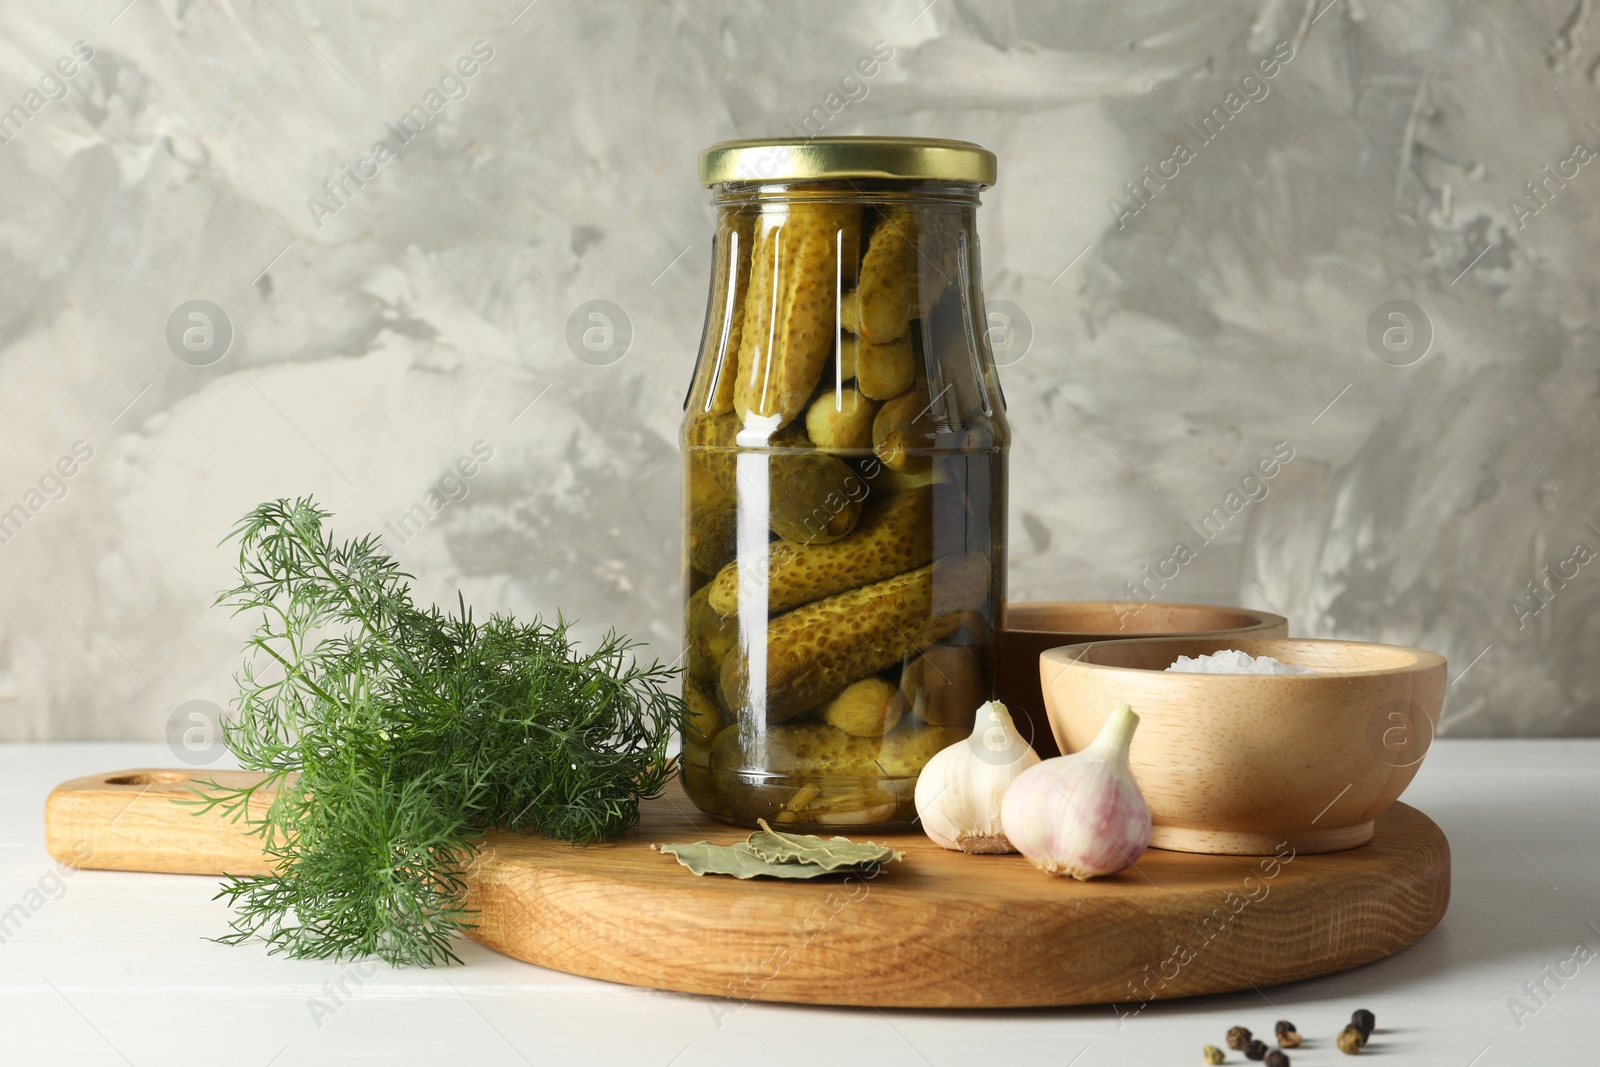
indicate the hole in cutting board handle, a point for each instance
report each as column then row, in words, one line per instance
column 148, row 778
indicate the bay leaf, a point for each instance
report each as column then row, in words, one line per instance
column 830, row 854
column 773, row 854
column 703, row 857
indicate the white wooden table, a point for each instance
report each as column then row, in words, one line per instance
column 113, row 968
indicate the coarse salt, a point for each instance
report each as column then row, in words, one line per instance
column 1232, row 661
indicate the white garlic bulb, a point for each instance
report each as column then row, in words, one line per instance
column 1082, row 814
column 959, row 791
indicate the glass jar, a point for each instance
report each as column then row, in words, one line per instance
column 845, row 480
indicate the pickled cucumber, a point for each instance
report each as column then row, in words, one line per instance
column 815, row 651
column 711, row 537
column 902, row 430
column 882, row 371
column 894, row 535
column 841, row 419
column 810, row 772
column 908, row 249
column 868, row 708
column 732, row 291
column 808, row 748
column 815, row 498
column 944, row 686
column 704, row 719
column 709, row 635
column 790, row 319
column 708, row 446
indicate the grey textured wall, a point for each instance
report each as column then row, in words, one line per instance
column 1160, row 344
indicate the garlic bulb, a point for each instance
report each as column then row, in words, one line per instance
column 1081, row 814
column 959, row 791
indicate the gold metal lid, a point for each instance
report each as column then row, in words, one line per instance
column 781, row 159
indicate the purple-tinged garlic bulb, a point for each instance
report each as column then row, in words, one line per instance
column 1081, row 814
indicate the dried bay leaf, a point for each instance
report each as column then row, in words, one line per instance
column 773, row 854
column 830, row 854
column 705, row 858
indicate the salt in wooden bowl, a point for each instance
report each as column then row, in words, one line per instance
column 1245, row 764
column 1033, row 626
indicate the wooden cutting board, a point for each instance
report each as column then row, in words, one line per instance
column 937, row 930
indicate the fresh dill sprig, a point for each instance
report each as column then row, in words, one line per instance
column 393, row 736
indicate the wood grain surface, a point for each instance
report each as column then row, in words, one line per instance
column 937, row 930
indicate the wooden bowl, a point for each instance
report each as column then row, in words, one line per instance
column 1243, row 764
column 1033, row 626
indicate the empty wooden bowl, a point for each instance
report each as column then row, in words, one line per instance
column 1033, row 626
column 1243, row 763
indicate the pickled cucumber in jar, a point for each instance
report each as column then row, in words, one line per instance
column 845, row 471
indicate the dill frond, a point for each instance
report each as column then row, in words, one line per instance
column 395, row 736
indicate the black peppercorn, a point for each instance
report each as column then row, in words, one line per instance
column 1363, row 1020
column 1256, row 1050
column 1238, row 1039
column 1288, row 1036
column 1277, row 1059
column 1351, row 1039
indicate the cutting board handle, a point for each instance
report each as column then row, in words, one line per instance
column 131, row 821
